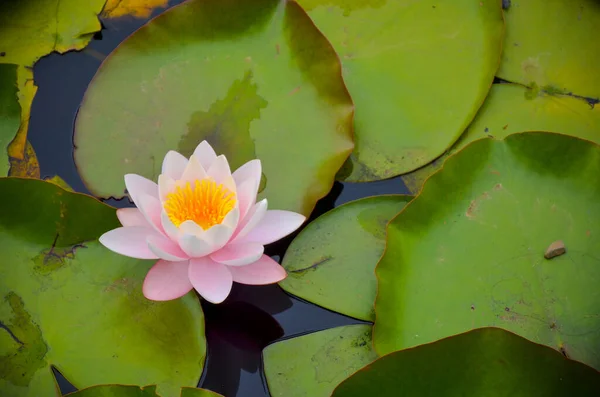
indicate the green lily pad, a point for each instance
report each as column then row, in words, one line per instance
column 553, row 44
column 31, row 29
column 483, row 362
column 469, row 250
column 135, row 8
column 313, row 365
column 255, row 79
column 67, row 301
column 417, row 72
column 332, row 261
column 10, row 112
column 511, row 108
column 136, row 391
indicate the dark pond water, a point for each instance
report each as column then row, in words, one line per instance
column 252, row 317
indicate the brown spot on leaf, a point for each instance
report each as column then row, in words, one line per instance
column 557, row 248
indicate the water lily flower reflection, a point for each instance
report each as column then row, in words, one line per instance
column 204, row 226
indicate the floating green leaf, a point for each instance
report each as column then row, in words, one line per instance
column 417, row 72
column 136, row 391
column 10, row 112
column 31, row 29
column 484, row 362
column 67, row 301
column 332, row 261
column 468, row 251
column 553, row 44
column 511, row 108
column 136, row 8
column 255, row 79
column 313, row 365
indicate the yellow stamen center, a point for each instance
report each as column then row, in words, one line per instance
column 204, row 202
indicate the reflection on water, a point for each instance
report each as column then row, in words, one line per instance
column 252, row 317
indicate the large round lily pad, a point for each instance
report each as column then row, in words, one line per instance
column 487, row 362
column 313, row 365
column 255, row 79
column 417, row 72
column 68, row 301
column 332, row 261
column 511, row 108
column 553, row 44
column 469, row 250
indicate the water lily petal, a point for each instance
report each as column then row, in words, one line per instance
column 219, row 170
column 274, row 225
column 217, row 235
column 250, row 171
column 232, row 218
column 194, row 171
column 169, row 227
column 137, row 185
column 151, row 208
column 130, row 241
column 212, row 280
column 254, row 216
column 174, row 164
column 166, row 185
column 166, row 249
column 205, row 154
column 238, row 254
column 131, row 217
column 263, row 271
column 167, row 280
column 197, row 242
column 246, row 197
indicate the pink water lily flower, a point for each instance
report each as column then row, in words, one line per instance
column 204, row 226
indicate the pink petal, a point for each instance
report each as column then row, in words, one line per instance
column 174, row 164
column 194, row 171
column 131, row 217
column 219, row 170
column 130, row 241
column 275, row 225
column 246, row 196
column 238, row 254
column 169, row 227
column 151, row 208
column 254, row 216
column 212, row 280
column 138, row 185
column 165, row 186
column 250, row 171
column 197, row 242
column 166, row 249
column 167, row 280
column 232, row 218
column 205, row 154
column 263, row 271
column 247, row 178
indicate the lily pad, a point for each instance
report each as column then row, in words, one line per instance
column 557, row 49
column 417, row 72
column 332, row 261
column 511, row 108
column 136, row 391
column 255, row 79
column 69, row 302
column 31, row 29
column 313, row 365
column 10, row 112
column 468, row 251
column 483, row 362
column 135, row 8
